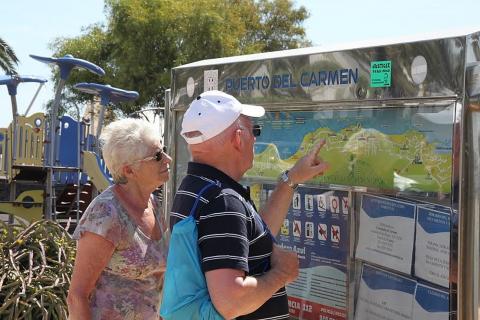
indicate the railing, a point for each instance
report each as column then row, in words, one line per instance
column 30, row 140
column 4, row 163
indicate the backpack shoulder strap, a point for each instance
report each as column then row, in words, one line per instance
column 202, row 191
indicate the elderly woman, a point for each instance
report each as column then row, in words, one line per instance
column 122, row 237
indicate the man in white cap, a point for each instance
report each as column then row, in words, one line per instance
column 246, row 272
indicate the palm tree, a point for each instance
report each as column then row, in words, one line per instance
column 8, row 59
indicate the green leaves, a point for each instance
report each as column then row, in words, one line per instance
column 8, row 58
column 36, row 264
column 144, row 39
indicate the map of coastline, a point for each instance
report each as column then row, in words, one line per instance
column 379, row 155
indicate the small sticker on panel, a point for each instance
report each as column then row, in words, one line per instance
column 380, row 74
column 296, row 201
column 419, row 69
column 297, row 228
column 309, row 202
column 322, row 232
column 210, row 80
column 190, row 87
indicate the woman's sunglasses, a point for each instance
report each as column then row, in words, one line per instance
column 158, row 156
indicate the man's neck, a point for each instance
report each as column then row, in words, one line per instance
column 230, row 168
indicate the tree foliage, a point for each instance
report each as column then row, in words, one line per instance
column 8, row 58
column 144, row 39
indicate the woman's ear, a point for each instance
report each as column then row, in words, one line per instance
column 128, row 171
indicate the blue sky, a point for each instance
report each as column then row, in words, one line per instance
column 30, row 26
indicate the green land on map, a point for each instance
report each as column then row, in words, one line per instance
column 367, row 158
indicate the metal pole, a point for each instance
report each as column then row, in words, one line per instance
column 13, row 187
column 100, row 121
column 15, row 125
column 51, row 198
column 34, row 98
column 13, row 195
column 79, row 143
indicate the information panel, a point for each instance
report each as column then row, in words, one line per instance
column 316, row 227
column 407, row 149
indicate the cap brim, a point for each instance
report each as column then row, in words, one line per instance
column 252, row 111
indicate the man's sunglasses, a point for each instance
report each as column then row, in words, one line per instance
column 256, row 130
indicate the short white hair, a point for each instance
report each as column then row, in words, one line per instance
column 126, row 140
column 216, row 143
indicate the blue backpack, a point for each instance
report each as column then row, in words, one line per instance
column 185, row 292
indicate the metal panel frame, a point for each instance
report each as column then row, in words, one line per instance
column 453, row 75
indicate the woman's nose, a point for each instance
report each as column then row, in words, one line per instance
column 167, row 158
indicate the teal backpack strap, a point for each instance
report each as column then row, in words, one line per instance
column 205, row 188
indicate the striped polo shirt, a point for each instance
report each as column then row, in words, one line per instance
column 231, row 234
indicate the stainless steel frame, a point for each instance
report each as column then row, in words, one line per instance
column 469, row 185
column 452, row 74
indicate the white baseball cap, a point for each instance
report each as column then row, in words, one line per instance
column 212, row 112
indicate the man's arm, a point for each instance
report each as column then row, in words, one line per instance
column 233, row 294
column 276, row 209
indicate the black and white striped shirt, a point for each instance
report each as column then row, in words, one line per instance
column 231, row 234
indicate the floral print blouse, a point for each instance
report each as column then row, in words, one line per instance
column 130, row 286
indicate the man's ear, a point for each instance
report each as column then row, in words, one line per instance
column 237, row 139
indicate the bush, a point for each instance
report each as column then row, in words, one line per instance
column 36, row 264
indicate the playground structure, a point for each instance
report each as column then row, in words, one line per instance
column 50, row 166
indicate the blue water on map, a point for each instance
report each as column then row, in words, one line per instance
column 287, row 129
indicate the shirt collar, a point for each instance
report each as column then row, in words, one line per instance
column 212, row 173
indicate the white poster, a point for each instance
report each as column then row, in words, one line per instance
column 432, row 244
column 384, row 296
column 430, row 303
column 386, row 232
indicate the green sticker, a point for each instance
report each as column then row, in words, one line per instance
column 380, row 74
